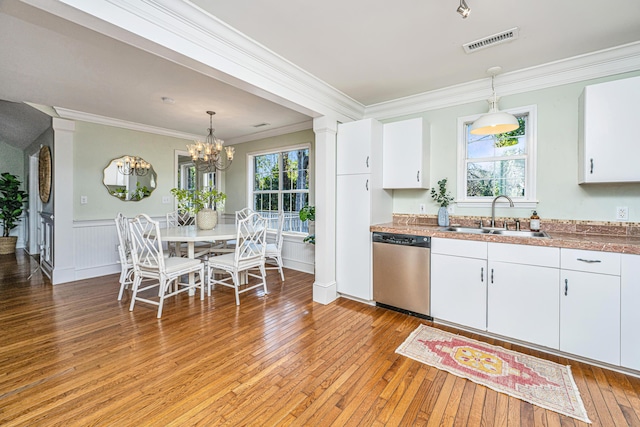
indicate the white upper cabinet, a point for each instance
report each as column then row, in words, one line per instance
column 354, row 143
column 406, row 154
column 608, row 148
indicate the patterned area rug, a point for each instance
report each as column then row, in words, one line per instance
column 537, row 381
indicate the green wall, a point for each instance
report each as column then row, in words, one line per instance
column 96, row 145
column 11, row 160
column 558, row 192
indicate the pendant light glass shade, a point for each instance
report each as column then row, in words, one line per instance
column 495, row 121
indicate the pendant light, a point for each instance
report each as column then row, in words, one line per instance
column 495, row 121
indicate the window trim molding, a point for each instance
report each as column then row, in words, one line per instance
column 531, row 164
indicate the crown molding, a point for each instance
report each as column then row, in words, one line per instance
column 182, row 32
column 108, row 121
column 607, row 62
column 306, row 125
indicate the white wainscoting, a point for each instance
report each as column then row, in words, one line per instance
column 95, row 249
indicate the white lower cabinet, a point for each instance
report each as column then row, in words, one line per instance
column 629, row 311
column 523, row 303
column 590, row 305
column 459, row 283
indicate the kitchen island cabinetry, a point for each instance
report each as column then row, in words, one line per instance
column 522, row 296
column 360, row 202
column 606, row 152
column 406, row 154
column 590, row 304
column 459, row 282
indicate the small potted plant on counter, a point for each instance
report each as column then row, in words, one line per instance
column 443, row 198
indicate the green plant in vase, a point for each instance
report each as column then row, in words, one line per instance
column 308, row 213
column 12, row 204
column 443, row 198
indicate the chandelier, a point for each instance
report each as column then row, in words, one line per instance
column 133, row 165
column 208, row 155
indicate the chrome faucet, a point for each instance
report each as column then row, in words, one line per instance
column 493, row 208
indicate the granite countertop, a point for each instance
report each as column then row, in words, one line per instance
column 594, row 242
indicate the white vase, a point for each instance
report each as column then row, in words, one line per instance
column 207, row 219
column 443, row 217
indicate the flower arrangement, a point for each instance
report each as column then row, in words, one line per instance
column 441, row 196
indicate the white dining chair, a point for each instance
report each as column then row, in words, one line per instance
column 124, row 253
column 274, row 250
column 183, row 219
column 248, row 255
column 149, row 263
column 241, row 214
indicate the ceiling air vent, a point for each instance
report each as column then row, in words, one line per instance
column 505, row 36
column 259, row 125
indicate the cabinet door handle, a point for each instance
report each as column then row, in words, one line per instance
column 418, row 176
column 589, row 261
column 492, row 275
column 591, row 165
column 367, row 162
column 367, row 185
column 566, row 286
column 482, row 274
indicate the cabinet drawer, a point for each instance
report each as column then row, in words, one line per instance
column 463, row 248
column 590, row 261
column 524, row 254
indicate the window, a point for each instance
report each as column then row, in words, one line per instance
column 490, row 165
column 281, row 182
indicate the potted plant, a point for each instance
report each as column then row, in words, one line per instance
column 206, row 204
column 443, row 198
column 308, row 213
column 12, row 201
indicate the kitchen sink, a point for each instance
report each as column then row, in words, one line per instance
column 498, row 231
column 468, row 230
column 521, row 233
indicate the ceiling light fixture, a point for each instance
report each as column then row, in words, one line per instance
column 208, row 155
column 463, row 9
column 494, row 121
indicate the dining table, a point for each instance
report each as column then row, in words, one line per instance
column 190, row 234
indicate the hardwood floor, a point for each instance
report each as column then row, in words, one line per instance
column 72, row 355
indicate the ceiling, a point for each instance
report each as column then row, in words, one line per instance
column 370, row 50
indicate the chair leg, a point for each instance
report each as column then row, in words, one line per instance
column 263, row 272
column 123, row 284
column 136, row 282
column 163, row 285
column 202, row 282
column 279, row 261
column 236, row 285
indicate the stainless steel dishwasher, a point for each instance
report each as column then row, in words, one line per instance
column 401, row 273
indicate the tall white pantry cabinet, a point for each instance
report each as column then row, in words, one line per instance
column 360, row 202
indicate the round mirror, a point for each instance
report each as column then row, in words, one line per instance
column 130, row 178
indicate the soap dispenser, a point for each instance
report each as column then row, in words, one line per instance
column 534, row 222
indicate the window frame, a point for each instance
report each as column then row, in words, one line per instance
column 530, row 199
column 251, row 175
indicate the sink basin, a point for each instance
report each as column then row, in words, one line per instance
column 521, row 233
column 468, row 230
column 498, row 231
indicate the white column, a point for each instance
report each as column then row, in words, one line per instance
column 63, row 250
column 324, row 286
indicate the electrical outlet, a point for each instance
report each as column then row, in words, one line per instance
column 451, row 209
column 422, row 208
column 83, row 200
column 622, row 213
column 166, row 199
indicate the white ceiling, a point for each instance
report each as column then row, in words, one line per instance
column 372, row 51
